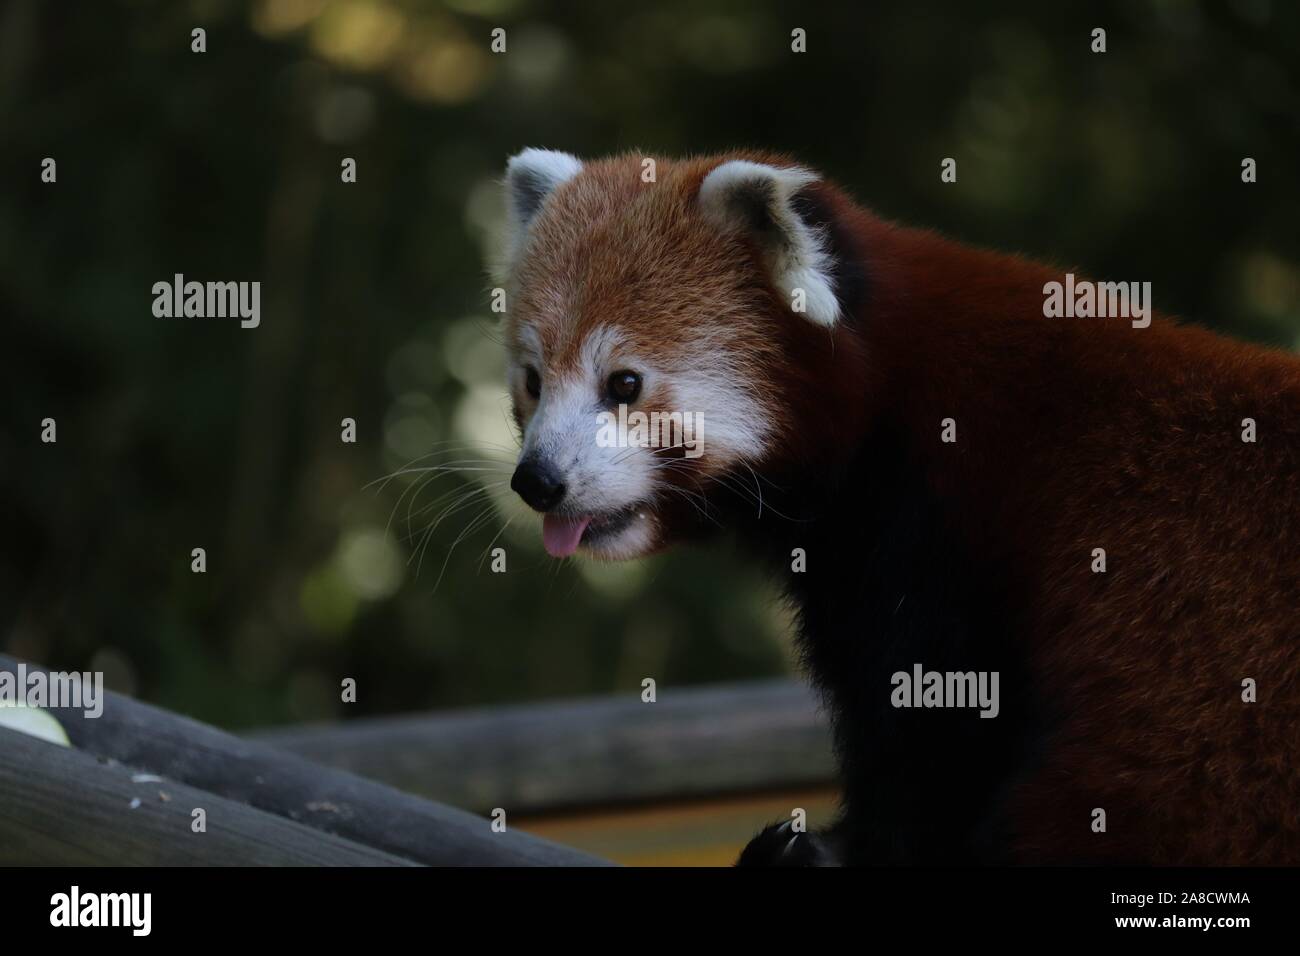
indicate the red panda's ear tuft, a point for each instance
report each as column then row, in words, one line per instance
column 759, row 200
column 531, row 176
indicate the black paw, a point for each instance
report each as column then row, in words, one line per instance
column 780, row 845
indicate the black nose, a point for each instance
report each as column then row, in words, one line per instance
column 538, row 484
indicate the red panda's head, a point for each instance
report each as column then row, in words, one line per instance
column 669, row 333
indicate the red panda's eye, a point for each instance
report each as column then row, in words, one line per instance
column 532, row 382
column 624, row 387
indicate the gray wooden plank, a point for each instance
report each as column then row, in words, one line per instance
column 59, row 806
column 330, row 800
column 691, row 742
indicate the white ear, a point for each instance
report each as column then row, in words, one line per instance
column 756, row 199
column 531, row 176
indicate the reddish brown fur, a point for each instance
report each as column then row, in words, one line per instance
column 1085, row 433
column 1073, row 434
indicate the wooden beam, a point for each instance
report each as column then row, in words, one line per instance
column 148, row 739
column 696, row 741
column 63, row 807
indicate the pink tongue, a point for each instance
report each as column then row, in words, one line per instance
column 561, row 535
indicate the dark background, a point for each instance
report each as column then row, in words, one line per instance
column 183, row 433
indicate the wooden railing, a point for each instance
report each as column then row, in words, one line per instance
column 126, row 790
column 692, row 742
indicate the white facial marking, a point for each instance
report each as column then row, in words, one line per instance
column 530, row 347
column 735, row 424
column 632, row 541
column 564, row 428
column 603, row 479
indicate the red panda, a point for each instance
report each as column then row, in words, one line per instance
column 948, row 481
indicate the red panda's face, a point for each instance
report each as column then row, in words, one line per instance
column 645, row 342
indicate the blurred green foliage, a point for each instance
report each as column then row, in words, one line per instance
column 176, row 434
